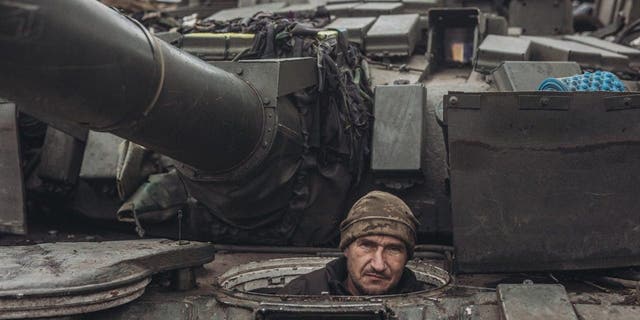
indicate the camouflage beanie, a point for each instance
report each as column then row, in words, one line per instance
column 379, row 213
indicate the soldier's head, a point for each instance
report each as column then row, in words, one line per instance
column 377, row 238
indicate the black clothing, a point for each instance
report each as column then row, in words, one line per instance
column 332, row 277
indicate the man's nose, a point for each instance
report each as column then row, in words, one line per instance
column 377, row 262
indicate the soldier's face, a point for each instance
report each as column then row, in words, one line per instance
column 375, row 264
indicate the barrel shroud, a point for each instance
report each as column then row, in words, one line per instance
column 82, row 62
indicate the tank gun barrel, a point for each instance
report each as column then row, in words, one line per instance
column 79, row 61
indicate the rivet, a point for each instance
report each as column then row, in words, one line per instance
column 544, row 101
column 453, row 100
column 239, row 71
column 266, row 101
column 627, row 101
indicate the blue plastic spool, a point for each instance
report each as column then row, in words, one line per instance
column 596, row 81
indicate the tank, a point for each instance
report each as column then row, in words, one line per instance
column 247, row 133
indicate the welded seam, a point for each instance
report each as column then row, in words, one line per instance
column 157, row 53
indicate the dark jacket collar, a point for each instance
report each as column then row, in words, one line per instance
column 336, row 273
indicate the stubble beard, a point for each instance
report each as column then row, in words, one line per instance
column 372, row 291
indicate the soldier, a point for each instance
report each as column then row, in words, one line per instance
column 377, row 239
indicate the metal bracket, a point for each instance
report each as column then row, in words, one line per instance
column 463, row 101
column 272, row 79
column 622, row 102
column 539, row 102
column 495, row 49
column 466, row 101
column 441, row 20
column 374, row 311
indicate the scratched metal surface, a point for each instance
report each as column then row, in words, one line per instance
column 12, row 213
column 544, row 181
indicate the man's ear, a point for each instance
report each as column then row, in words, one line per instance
column 406, row 253
column 344, row 252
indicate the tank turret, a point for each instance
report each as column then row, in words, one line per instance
column 245, row 137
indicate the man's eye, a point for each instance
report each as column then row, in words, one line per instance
column 367, row 246
column 394, row 251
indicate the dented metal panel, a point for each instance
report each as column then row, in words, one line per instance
column 527, row 15
column 397, row 131
column 332, row 2
column 61, row 157
column 495, row 24
column 548, row 49
column 495, row 49
column 539, row 187
column 597, row 312
column 535, row 302
column 372, row 9
column 607, row 11
column 55, row 279
column 212, row 47
column 12, row 213
column 393, row 35
column 100, row 156
column 216, row 46
column 631, row 53
column 245, row 12
column 421, row 6
column 356, row 28
column 341, row 9
column 527, row 75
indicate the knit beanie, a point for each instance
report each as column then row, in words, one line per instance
column 379, row 213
